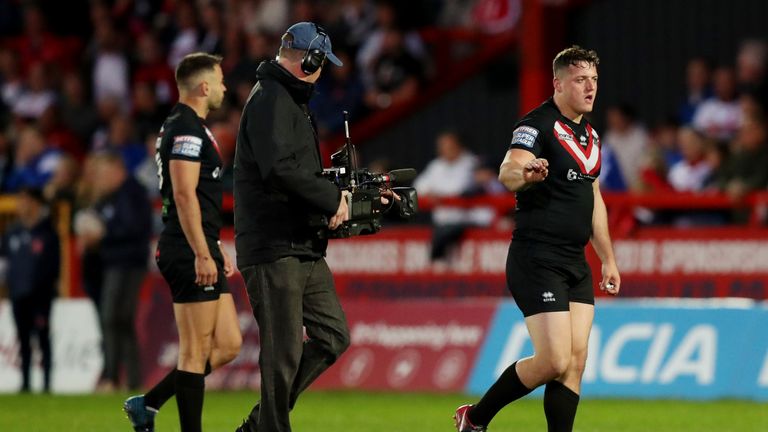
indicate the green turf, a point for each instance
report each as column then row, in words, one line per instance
column 384, row 412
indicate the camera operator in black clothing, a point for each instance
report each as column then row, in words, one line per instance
column 278, row 188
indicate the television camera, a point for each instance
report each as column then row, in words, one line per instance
column 365, row 192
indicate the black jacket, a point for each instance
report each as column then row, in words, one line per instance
column 33, row 260
column 278, row 182
column 127, row 216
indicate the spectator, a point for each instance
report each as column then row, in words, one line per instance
column 152, row 68
column 122, row 140
column 110, row 65
column 147, row 114
column 38, row 45
column 355, row 21
column 32, row 250
column 58, row 135
column 36, row 97
column 691, row 173
column 664, row 137
column 628, row 142
column 186, row 38
column 340, row 89
column 719, row 117
column 450, row 174
column 264, row 16
column 653, row 171
column 485, row 180
column 258, row 49
column 745, row 170
column 146, row 172
column 77, row 114
column 34, row 161
column 11, row 79
column 90, row 258
column 396, row 74
column 63, row 184
column 698, row 89
column 107, row 110
column 125, row 214
column 387, row 21
column 751, row 64
column 212, row 37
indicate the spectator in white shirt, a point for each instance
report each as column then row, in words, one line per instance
column 450, row 174
column 720, row 116
column 691, row 173
column 628, row 142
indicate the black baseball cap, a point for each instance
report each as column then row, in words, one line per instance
column 306, row 36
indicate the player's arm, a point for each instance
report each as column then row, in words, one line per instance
column 601, row 241
column 184, row 178
column 521, row 169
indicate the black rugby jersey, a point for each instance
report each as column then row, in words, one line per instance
column 184, row 136
column 557, row 211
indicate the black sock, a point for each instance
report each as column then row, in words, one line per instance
column 190, row 389
column 162, row 391
column 560, row 405
column 506, row 389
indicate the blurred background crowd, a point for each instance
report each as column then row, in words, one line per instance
column 102, row 80
column 86, row 85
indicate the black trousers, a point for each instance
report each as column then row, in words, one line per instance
column 287, row 295
column 32, row 316
column 119, row 299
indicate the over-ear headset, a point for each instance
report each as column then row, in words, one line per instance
column 314, row 58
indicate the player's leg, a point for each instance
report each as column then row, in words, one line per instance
column 227, row 338
column 224, row 348
column 195, row 322
column 275, row 292
column 561, row 396
column 327, row 331
column 540, row 290
column 551, row 337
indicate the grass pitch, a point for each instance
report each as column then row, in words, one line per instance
column 381, row 412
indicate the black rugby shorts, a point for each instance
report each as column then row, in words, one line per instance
column 540, row 282
column 176, row 262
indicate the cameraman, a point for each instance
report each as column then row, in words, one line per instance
column 278, row 189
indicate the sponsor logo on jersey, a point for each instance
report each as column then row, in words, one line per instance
column 216, row 173
column 547, row 297
column 525, row 136
column 187, row 145
column 573, row 175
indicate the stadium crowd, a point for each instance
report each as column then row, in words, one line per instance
column 71, row 93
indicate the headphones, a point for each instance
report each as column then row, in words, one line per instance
column 314, row 58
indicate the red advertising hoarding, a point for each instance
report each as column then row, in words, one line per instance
column 413, row 345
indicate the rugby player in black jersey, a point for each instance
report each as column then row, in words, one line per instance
column 552, row 164
column 189, row 253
